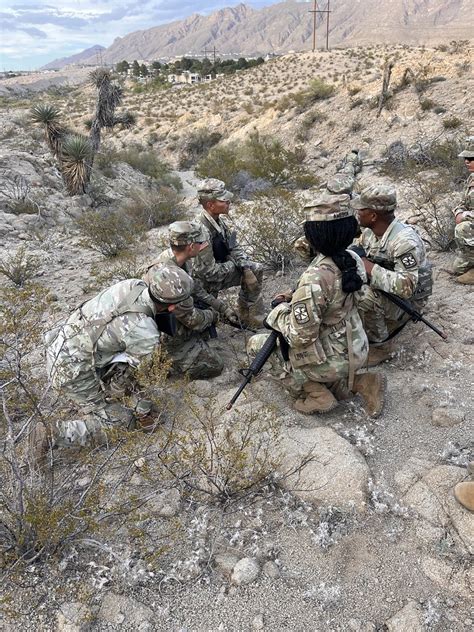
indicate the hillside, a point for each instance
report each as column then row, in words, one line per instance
column 287, row 26
column 368, row 536
column 88, row 55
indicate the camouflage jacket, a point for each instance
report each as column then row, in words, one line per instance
column 199, row 293
column 398, row 256
column 467, row 200
column 205, row 267
column 321, row 324
column 118, row 320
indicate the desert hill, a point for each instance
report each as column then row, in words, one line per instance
column 287, row 26
column 89, row 54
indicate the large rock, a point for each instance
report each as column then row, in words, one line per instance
column 409, row 618
column 245, row 571
column 433, row 499
column 336, row 475
column 126, row 613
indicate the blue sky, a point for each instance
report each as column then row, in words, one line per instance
column 33, row 33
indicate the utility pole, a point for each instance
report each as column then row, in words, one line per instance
column 315, row 11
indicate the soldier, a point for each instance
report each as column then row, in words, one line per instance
column 187, row 347
column 321, row 324
column 92, row 357
column 225, row 264
column 395, row 261
column 342, row 182
column 187, row 239
column 464, row 231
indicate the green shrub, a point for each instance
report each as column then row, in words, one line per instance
column 155, row 207
column 427, row 104
column 196, row 145
column 453, row 122
column 110, row 232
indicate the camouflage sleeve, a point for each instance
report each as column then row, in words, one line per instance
column 300, row 320
column 200, row 294
column 191, row 317
column 404, row 277
column 142, row 338
column 206, row 268
column 467, row 202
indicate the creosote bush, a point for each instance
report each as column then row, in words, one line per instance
column 271, row 224
column 110, row 232
column 196, row 144
column 263, row 159
column 19, row 267
column 154, row 207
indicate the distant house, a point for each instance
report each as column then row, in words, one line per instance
column 185, row 77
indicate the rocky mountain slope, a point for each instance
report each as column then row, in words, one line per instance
column 288, row 26
column 90, row 54
column 369, row 537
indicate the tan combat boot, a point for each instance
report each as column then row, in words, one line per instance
column 464, row 494
column 467, row 278
column 317, row 399
column 39, row 445
column 371, row 387
column 379, row 354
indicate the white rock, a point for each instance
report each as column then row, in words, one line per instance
column 225, row 563
column 270, row 569
column 409, row 618
column 258, row 622
column 118, row 609
column 337, row 474
column 73, row 617
column 245, row 571
column 447, row 417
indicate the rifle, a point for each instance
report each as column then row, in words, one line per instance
column 262, row 356
column 256, row 366
column 412, row 312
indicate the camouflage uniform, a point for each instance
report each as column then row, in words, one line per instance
column 400, row 267
column 223, row 264
column 188, row 349
column 464, row 231
column 91, row 358
column 342, row 182
column 321, row 324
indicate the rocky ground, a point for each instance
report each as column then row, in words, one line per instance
column 368, row 536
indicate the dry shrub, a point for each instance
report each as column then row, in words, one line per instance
column 271, row 224
column 110, row 232
column 19, row 267
column 154, row 207
column 197, row 144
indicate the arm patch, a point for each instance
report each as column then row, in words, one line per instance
column 409, row 261
column 301, row 314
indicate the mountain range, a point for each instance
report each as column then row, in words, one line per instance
column 288, row 26
column 89, row 56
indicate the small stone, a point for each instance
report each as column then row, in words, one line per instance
column 225, row 563
column 166, row 504
column 245, row 571
column 447, row 417
column 270, row 569
column 73, row 617
column 409, row 617
column 257, row 622
column 139, row 463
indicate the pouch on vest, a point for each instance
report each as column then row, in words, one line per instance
column 220, row 248
column 424, row 287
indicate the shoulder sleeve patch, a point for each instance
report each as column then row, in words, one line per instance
column 300, row 312
column 409, row 260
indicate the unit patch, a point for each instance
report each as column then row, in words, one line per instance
column 301, row 313
column 409, row 261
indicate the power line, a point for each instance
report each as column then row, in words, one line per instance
column 315, row 11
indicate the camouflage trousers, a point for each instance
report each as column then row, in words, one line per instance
column 193, row 357
column 235, row 278
column 100, row 408
column 334, row 372
column 464, row 235
column 380, row 316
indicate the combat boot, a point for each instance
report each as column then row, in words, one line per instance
column 379, row 354
column 464, row 494
column 317, row 399
column 467, row 278
column 371, row 387
column 39, row 445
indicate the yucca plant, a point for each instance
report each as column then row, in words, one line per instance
column 48, row 116
column 76, row 157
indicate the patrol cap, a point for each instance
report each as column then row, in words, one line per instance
column 213, row 189
column 327, row 207
column 170, row 284
column 469, row 151
column 184, row 233
column 377, row 197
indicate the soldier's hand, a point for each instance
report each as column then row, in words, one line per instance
column 230, row 315
column 282, row 297
column 250, row 280
column 215, row 317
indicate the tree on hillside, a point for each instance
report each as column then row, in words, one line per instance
column 122, row 67
column 135, row 68
column 144, row 70
column 75, row 152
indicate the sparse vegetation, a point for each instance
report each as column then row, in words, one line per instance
column 19, row 267
column 110, row 232
column 154, row 207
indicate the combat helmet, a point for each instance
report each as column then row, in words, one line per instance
column 170, row 284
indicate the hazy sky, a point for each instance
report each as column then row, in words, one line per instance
column 33, row 33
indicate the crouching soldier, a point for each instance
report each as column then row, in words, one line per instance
column 225, row 264
column 464, row 215
column 395, row 261
column 187, row 240
column 91, row 359
column 187, row 328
